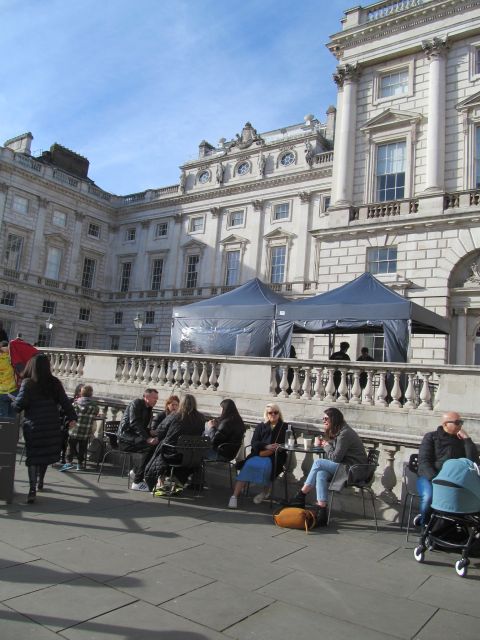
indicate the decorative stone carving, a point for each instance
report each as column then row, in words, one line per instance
column 183, row 182
column 257, row 205
column 220, row 173
column 309, row 154
column 248, row 137
column 79, row 216
column 215, row 211
column 435, row 47
column 262, row 161
column 304, row 196
column 43, row 202
column 474, row 277
column 346, row 72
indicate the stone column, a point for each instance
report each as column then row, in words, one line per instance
column 141, row 269
column 216, row 270
column 461, row 335
column 344, row 150
column 3, row 200
column 435, row 51
column 74, row 274
column 300, row 264
column 38, row 238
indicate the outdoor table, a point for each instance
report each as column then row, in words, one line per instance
column 297, row 448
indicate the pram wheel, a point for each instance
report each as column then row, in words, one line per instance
column 461, row 567
column 419, row 554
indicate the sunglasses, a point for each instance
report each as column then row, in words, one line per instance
column 272, row 413
column 325, row 418
column 457, row 423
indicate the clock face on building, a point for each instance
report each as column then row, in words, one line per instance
column 243, row 168
column 288, row 159
column 204, row 177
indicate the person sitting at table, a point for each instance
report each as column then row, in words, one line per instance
column 342, row 446
column 171, row 406
column 226, row 432
column 186, row 421
column 262, row 465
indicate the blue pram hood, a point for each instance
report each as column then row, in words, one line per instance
column 456, row 488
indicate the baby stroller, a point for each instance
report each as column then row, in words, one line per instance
column 455, row 520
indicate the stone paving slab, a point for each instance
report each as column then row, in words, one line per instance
column 198, row 571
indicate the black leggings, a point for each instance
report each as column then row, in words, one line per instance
column 36, row 472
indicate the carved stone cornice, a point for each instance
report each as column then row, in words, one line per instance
column 304, row 196
column 43, row 202
column 435, row 47
column 257, row 205
column 346, row 73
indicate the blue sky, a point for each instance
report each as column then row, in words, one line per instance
column 135, row 85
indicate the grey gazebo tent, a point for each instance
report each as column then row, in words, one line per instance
column 240, row 322
column 364, row 305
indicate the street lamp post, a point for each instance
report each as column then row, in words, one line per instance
column 138, row 324
column 49, row 324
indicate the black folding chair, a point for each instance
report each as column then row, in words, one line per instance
column 190, row 451
column 410, row 475
column 365, row 484
column 221, row 460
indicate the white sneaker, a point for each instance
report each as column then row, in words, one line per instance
column 131, row 473
column 260, row 497
column 139, row 486
column 233, row 502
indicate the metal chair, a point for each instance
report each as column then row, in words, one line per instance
column 366, row 470
column 409, row 480
column 191, row 452
column 126, row 458
column 229, row 463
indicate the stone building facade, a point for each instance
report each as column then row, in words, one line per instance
column 388, row 182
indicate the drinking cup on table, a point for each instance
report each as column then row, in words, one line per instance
column 291, row 442
column 307, row 443
column 318, row 441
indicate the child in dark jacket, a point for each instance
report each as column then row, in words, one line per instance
column 87, row 410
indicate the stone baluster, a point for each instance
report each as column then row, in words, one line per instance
column 170, row 377
column 388, row 477
column 195, row 375
column 319, row 386
column 125, row 372
column 437, row 393
column 330, row 388
column 382, row 390
column 133, row 365
column 139, row 371
column 368, row 391
column 162, row 376
column 425, row 395
column 186, row 377
column 295, row 384
column 396, row 392
column 284, row 383
column 306, row 388
column 154, row 374
column 273, row 381
column 114, row 412
column 81, row 366
column 67, row 364
column 213, row 378
column 178, row 374
column 146, row 372
column 204, row 376
column 54, row 360
column 356, row 393
column 63, row 365
column 410, row 402
column 343, row 388
column 119, row 369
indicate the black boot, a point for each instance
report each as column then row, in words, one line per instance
column 298, row 500
column 31, row 496
column 322, row 517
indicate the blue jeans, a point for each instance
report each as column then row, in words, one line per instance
column 6, row 410
column 321, row 473
column 425, row 491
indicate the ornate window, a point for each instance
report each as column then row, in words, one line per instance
column 243, row 168
column 59, row 218
column 281, row 211
column 125, row 274
column 236, row 218
column 287, row 159
column 196, row 224
column 390, row 171
column 44, row 338
column 278, row 256
column 191, row 272
column 204, row 177
column 147, row 344
column 130, row 234
column 118, row 317
column 94, row 230
column 49, row 306
column 85, row 314
column 13, row 251
column 392, row 82
column 232, row 268
column 149, row 317
column 81, row 341
column 470, row 114
column 88, row 274
column 20, row 204
column 161, row 230
column 8, row 298
column 114, row 343
column 157, row 271
column 54, row 259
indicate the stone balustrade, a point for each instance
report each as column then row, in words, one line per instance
column 390, row 404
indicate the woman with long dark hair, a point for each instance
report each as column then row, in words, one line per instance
column 342, row 445
column 40, row 396
column 226, row 432
column 260, row 467
column 186, row 421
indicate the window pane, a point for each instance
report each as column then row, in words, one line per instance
column 20, row 205
column 233, row 268
column 277, row 269
column 118, row 317
column 48, row 307
column 89, row 266
column 281, row 211
column 59, row 218
column 236, row 218
column 149, row 317
column 161, row 230
column 94, row 230
column 390, row 171
column 192, row 272
column 13, row 252
column 126, row 270
column 394, row 84
column 54, row 257
column 382, row 260
column 157, row 270
column 81, row 341
column 114, row 343
column 44, row 338
column 146, row 344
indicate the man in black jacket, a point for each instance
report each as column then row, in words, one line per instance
column 449, row 441
column 134, row 434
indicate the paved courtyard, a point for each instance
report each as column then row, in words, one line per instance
column 90, row 561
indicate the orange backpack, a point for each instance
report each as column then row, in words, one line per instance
column 295, row 518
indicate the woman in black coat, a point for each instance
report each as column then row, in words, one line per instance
column 226, row 432
column 40, row 396
column 186, row 421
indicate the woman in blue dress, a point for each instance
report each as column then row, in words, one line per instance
column 262, row 465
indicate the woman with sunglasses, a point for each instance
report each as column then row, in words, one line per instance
column 342, row 446
column 449, row 440
column 262, row 465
